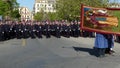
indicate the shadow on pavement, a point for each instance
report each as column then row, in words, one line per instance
column 89, row 50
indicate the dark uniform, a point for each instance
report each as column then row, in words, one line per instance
column 25, row 30
column 52, row 29
column 1, row 32
column 32, row 31
column 6, row 28
column 110, row 43
column 12, row 34
column 63, row 29
column 117, row 39
column 47, row 30
column 38, row 29
column 76, row 30
column 57, row 30
column 71, row 29
column 66, row 30
column 17, row 30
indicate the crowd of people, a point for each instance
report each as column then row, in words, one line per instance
column 35, row 29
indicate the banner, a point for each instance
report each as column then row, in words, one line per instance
column 100, row 20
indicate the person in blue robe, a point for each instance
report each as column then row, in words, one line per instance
column 101, row 43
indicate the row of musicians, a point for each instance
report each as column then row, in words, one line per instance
column 19, row 30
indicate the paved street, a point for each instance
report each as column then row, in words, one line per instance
column 54, row 53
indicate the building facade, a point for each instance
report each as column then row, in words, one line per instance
column 25, row 13
column 114, row 5
column 44, row 5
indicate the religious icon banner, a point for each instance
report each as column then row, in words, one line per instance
column 101, row 20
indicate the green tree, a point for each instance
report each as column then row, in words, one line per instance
column 8, row 7
column 70, row 9
column 51, row 16
column 39, row 16
column 4, row 7
column 15, row 14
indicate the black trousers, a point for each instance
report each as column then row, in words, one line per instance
column 101, row 51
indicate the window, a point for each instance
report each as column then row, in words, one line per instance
column 27, row 17
column 37, row 8
column 53, row 5
column 49, row 8
column 45, row 5
column 41, row 4
column 37, row 5
column 45, row 8
column 49, row 5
